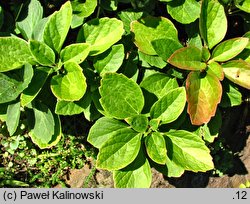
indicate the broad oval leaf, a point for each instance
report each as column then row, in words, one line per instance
column 101, row 34
column 43, row 54
column 189, row 151
column 83, row 8
column 203, row 95
column 187, row 58
column 229, row 49
column 57, row 27
column 184, row 12
column 121, row 97
column 173, row 169
column 43, row 125
column 42, row 140
column 72, row 107
column 245, row 54
column 34, row 14
column 136, row 175
column 165, row 47
column 211, row 130
column 109, row 61
column 151, row 60
column 71, row 86
column 238, row 71
column 152, row 28
column 13, row 116
column 231, row 96
column 156, row 147
column 40, row 76
column 14, row 53
column 103, row 129
column 119, row 150
column 215, row 69
column 170, row 106
column 159, row 84
column 213, row 22
column 127, row 16
column 205, row 54
column 139, row 123
column 75, row 53
column 14, row 82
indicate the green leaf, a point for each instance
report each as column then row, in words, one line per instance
column 70, row 86
column 40, row 76
column 203, row 94
column 229, row 49
column 98, row 135
column 110, row 60
column 109, row 5
column 245, row 54
column 14, row 53
column 170, row 106
column 184, row 12
column 139, row 123
column 243, row 5
column 75, row 53
column 193, row 34
column 3, row 112
column 136, row 175
column 1, row 17
column 159, row 84
column 166, row 47
column 73, row 107
column 42, row 138
column 215, row 69
column 121, row 97
column 173, row 169
column 57, row 27
column 152, row 28
column 119, row 150
column 231, row 96
column 187, row 58
column 101, row 34
column 189, row 151
column 211, row 130
column 213, row 22
column 238, row 71
column 153, row 61
column 43, row 126
column 156, row 147
column 38, row 31
column 76, row 21
column 128, row 16
column 43, row 54
column 34, row 14
column 13, row 116
column 205, row 54
column 14, row 82
column 83, row 8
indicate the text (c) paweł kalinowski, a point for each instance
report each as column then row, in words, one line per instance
column 58, row 195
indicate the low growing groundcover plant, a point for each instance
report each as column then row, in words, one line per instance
column 152, row 85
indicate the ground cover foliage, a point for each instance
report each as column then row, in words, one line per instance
column 151, row 78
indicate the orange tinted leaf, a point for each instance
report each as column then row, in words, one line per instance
column 188, row 58
column 203, row 95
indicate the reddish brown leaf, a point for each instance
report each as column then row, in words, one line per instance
column 203, row 95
